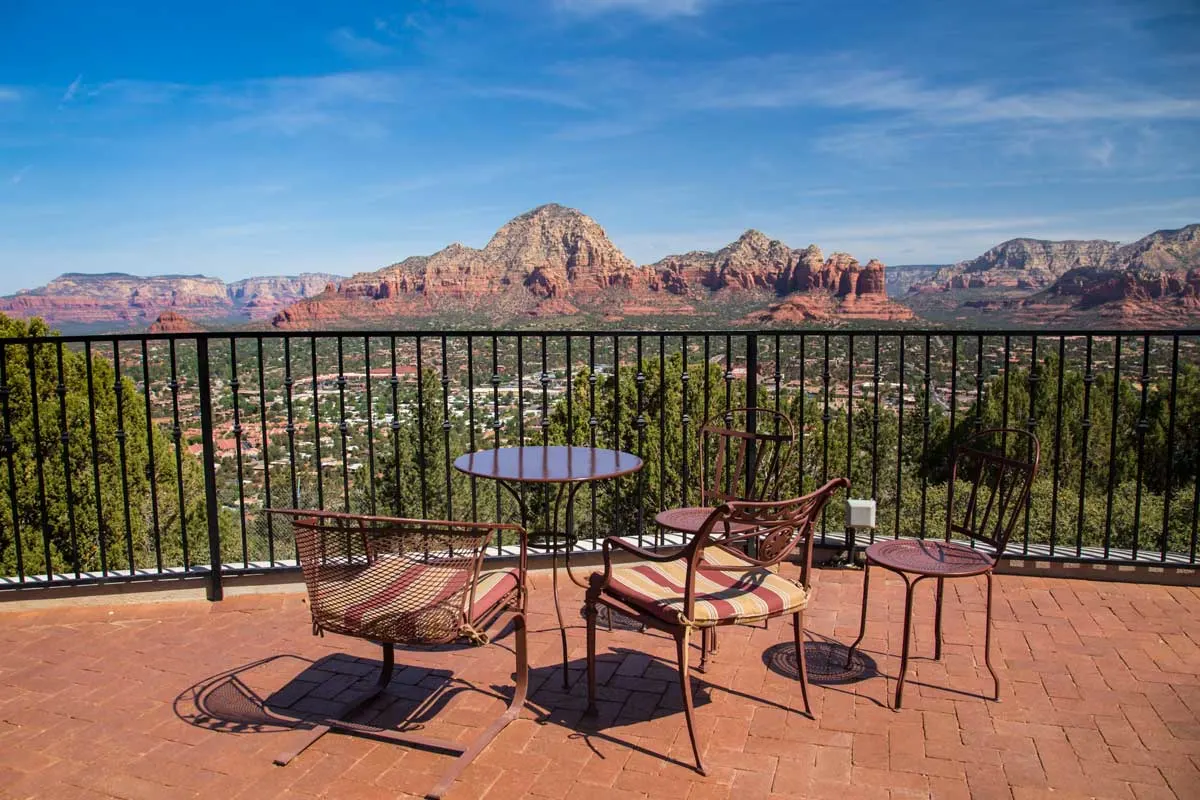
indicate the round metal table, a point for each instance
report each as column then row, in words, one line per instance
column 566, row 467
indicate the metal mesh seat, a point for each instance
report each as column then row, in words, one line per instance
column 408, row 582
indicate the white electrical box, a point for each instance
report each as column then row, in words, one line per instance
column 860, row 513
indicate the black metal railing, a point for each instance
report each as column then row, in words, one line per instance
column 147, row 456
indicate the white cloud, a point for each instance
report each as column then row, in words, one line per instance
column 19, row 175
column 657, row 9
column 1102, row 152
column 9, row 94
column 351, row 44
column 72, row 89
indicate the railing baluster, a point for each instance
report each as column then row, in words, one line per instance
column 593, row 421
column 1089, row 377
column 1142, row 425
column 826, row 418
column 684, row 422
column 877, row 376
column 31, row 359
column 1115, row 413
column 1058, row 411
column 316, row 415
column 422, row 462
column 1031, row 423
column 1170, row 472
column 471, row 422
column 152, row 470
column 616, row 431
column 496, row 424
column 395, row 426
column 371, row 478
column 234, row 386
column 215, row 590
column 926, row 419
column 9, row 448
column 288, row 385
column 850, row 410
column 662, row 430
column 640, row 425
column 265, row 452
column 343, row 424
column 979, row 384
column 446, row 431
column 176, row 436
column 900, row 444
column 803, row 419
column 544, row 422
column 119, row 391
column 65, row 439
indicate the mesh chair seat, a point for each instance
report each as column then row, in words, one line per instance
column 934, row 558
column 722, row 597
column 402, row 600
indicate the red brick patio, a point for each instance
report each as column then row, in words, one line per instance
column 1100, row 698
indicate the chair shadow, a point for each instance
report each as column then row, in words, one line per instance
column 826, row 658
column 241, row 700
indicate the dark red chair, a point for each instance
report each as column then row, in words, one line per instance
column 987, row 492
column 709, row 583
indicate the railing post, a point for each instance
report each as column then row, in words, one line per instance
column 751, row 415
column 210, row 470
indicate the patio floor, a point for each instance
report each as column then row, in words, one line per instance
column 1100, row 698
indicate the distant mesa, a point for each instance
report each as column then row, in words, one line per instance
column 1154, row 281
column 170, row 322
column 127, row 300
column 557, row 261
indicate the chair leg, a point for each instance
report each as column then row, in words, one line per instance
column 704, row 645
column 862, row 625
column 908, row 599
column 682, row 644
column 987, row 640
column 937, row 620
column 590, row 613
column 801, row 659
column 512, row 712
column 317, row 731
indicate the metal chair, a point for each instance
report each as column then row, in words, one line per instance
column 408, row 582
column 1002, row 483
column 709, row 583
column 748, row 448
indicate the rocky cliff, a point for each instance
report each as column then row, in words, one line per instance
column 1153, row 281
column 170, row 322
column 1027, row 264
column 555, row 260
column 120, row 299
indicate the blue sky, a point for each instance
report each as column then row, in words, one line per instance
column 271, row 138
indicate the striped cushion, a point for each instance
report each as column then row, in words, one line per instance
column 721, row 597
column 396, row 599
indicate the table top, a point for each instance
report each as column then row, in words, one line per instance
column 557, row 464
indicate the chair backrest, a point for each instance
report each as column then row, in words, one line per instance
column 777, row 528
column 409, row 581
column 737, row 463
column 990, row 481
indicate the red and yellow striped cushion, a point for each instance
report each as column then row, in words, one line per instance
column 721, row 596
column 395, row 599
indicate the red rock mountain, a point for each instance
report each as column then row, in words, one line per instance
column 120, row 299
column 1154, row 281
column 555, row 260
column 1027, row 264
column 170, row 322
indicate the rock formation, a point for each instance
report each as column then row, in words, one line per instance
column 554, row 261
column 120, row 299
column 1153, row 281
column 170, row 322
column 1027, row 264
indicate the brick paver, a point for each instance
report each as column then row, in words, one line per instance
column 1100, row 698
